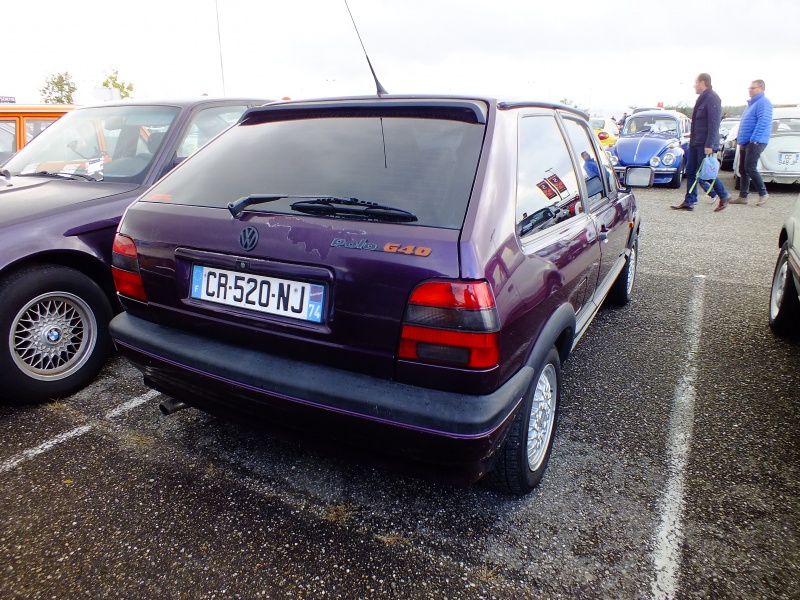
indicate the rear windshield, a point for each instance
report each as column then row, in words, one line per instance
column 597, row 123
column 786, row 126
column 421, row 165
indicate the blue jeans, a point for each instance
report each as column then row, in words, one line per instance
column 694, row 157
column 748, row 168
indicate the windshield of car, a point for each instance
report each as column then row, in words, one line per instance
column 597, row 123
column 113, row 143
column 651, row 124
column 425, row 166
column 790, row 126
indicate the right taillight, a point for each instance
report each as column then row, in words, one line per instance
column 125, row 268
column 602, row 135
column 452, row 322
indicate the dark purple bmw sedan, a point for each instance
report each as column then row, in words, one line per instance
column 403, row 274
column 61, row 199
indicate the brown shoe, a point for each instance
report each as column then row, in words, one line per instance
column 683, row 206
column 762, row 200
column 739, row 200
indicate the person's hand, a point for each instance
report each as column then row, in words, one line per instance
column 709, row 151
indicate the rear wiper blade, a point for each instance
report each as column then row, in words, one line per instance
column 239, row 205
column 353, row 207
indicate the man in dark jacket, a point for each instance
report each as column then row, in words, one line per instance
column 755, row 129
column 703, row 141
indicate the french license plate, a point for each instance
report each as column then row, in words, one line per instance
column 294, row 299
column 788, row 158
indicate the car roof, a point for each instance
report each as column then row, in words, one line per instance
column 660, row 113
column 421, row 99
column 179, row 102
column 35, row 108
column 786, row 112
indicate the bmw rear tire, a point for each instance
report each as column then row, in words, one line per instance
column 53, row 333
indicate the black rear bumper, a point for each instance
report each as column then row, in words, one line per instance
column 455, row 434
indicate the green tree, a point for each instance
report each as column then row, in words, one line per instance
column 681, row 107
column 58, row 89
column 113, row 82
column 569, row 102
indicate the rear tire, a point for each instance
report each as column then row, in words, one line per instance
column 53, row 333
column 784, row 305
column 523, row 459
column 622, row 290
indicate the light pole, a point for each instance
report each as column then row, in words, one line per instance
column 219, row 45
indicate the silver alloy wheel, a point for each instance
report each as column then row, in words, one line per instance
column 53, row 336
column 778, row 288
column 631, row 269
column 543, row 412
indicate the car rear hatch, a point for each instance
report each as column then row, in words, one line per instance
column 339, row 211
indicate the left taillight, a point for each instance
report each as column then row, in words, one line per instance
column 125, row 268
column 453, row 323
column 602, row 135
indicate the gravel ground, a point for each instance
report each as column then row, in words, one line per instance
column 125, row 503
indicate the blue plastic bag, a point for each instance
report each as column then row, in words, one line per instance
column 709, row 168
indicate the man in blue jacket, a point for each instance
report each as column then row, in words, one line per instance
column 703, row 141
column 754, row 131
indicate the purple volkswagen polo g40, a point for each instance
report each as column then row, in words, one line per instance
column 403, row 274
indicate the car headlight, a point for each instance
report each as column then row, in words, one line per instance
column 669, row 159
column 655, row 161
column 614, row 159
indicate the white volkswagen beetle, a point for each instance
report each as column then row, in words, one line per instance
column 780, row 160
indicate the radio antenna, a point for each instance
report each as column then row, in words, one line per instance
column 381, row 90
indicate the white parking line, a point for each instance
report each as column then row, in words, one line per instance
column 12, row 462
column 131, row 404
column 9, row 464
column 669, row 536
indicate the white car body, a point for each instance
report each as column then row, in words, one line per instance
column 780, row 160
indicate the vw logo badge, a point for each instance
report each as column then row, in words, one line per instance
column 248, row 238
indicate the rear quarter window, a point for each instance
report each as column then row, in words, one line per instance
column 547, row 186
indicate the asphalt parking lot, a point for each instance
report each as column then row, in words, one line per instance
column 675, row 470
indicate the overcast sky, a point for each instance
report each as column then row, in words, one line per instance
column 605, row 56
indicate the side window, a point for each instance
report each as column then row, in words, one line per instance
column 34, row 127
column 547, row 187
column 207, row 124
column 581, row 141
column 8, row 138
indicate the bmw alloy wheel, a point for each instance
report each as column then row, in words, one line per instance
column 53, row 336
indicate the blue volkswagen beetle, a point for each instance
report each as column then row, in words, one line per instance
column 651, row 148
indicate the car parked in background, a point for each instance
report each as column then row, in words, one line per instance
column 651, row 148
column 780, row 160
column 61, row 198
column 606, row 130
column 727, row 150
column 784, row 303
column 20, row 123
column 402, row 274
